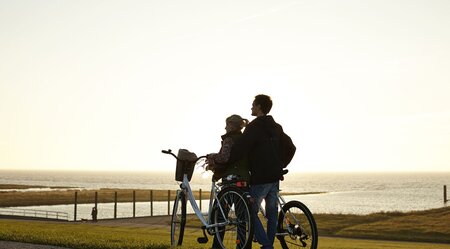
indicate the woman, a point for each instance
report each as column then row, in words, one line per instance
column 218, row 161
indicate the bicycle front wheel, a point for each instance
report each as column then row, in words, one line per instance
column 296, row 226
column 178, row 220
column 234, row 213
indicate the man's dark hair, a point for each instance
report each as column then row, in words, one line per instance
column 264, row 101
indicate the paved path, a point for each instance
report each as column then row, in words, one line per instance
column 19, row 245
column 158, row 221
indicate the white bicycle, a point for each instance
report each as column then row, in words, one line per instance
column 229, row 214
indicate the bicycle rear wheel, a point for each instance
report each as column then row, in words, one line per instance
column 296, row 226
column 237, row 231
column 178, row 220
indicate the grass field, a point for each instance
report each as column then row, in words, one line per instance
column 422, row 226
column 380, row 230
column 426, row 226
column 92, row 236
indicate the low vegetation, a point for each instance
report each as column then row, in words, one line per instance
column 104, row 195
column 426, row 226
column 96, row 236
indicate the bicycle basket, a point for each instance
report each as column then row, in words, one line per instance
column 185, row 164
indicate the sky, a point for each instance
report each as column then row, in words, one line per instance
column 106, row 85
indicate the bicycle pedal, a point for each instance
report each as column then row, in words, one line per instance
column 202, row 240
column 303, row 243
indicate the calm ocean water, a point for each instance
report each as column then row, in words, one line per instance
column 353, row 193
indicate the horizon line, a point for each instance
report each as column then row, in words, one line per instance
column 173, row 171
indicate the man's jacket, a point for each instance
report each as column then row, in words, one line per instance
column 260, row 142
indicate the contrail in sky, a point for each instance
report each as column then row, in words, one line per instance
column 266, row 12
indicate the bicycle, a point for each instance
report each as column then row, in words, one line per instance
column 296, row 225
column 229, row 213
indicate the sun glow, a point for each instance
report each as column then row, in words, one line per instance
column 358, row 88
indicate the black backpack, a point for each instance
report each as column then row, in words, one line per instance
column 286, row 149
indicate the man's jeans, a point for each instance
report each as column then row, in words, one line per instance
column 267, row 192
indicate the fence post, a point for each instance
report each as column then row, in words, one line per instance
column 134, row 203
column 168, row 202
column 75, row 210
column 115, row 205
column 445, row 194
column 151, row 202
column 200, row 198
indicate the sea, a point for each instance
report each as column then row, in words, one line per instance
column 342, row 193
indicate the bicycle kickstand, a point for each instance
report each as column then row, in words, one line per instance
column 204, row 239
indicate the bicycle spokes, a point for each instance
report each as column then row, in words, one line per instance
column 235, row 233
column 296, row 226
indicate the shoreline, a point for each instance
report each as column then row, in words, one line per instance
column 14, row 195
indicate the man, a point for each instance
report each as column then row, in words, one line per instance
column 260, row 142
column 94, row 214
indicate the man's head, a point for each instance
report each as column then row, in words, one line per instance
column 261, row 105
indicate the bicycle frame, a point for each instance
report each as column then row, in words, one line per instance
column 186, row 187
column 229, row 215
column 281, row 203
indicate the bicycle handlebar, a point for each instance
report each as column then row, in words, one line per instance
column 169, row 151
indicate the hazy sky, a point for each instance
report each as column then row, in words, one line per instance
column 106, row 85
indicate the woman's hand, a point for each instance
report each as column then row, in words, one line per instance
column 210, row 161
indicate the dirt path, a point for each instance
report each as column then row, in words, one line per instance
column 155, row 221
column 19, row 245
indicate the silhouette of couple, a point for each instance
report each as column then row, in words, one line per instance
column 256, row 155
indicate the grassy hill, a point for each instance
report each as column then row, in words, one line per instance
column 427, row 226
column 336, row 231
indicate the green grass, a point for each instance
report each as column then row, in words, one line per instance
column 83, row 236
column 92, row 236
column 422, row 226
column 336, row 231
column 345, row 243
column 20, row 186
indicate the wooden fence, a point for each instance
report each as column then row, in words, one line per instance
column 200, row 196
column 170, row 198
